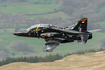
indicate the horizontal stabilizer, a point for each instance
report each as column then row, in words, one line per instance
column 96, row 30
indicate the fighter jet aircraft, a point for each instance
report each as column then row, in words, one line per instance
column 54, row 35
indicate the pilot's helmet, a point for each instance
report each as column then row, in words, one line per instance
column 55, row 25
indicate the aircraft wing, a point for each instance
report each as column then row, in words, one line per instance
column 50, row 46
column 68, row 31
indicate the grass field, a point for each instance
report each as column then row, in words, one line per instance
column 48, row 1
column 34, row 9
column 3, row 4
column 59, row 14
column 29, row 9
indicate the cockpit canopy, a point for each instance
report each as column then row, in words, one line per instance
column 38, row 26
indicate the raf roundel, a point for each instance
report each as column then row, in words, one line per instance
column 49, row 35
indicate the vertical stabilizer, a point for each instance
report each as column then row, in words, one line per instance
column 82, row 25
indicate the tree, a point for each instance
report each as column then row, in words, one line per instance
column 3, row 55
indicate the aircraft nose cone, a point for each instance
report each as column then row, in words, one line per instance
column 19, row 33
column 16, row 33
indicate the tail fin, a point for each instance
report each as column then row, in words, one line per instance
column 82, row 25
